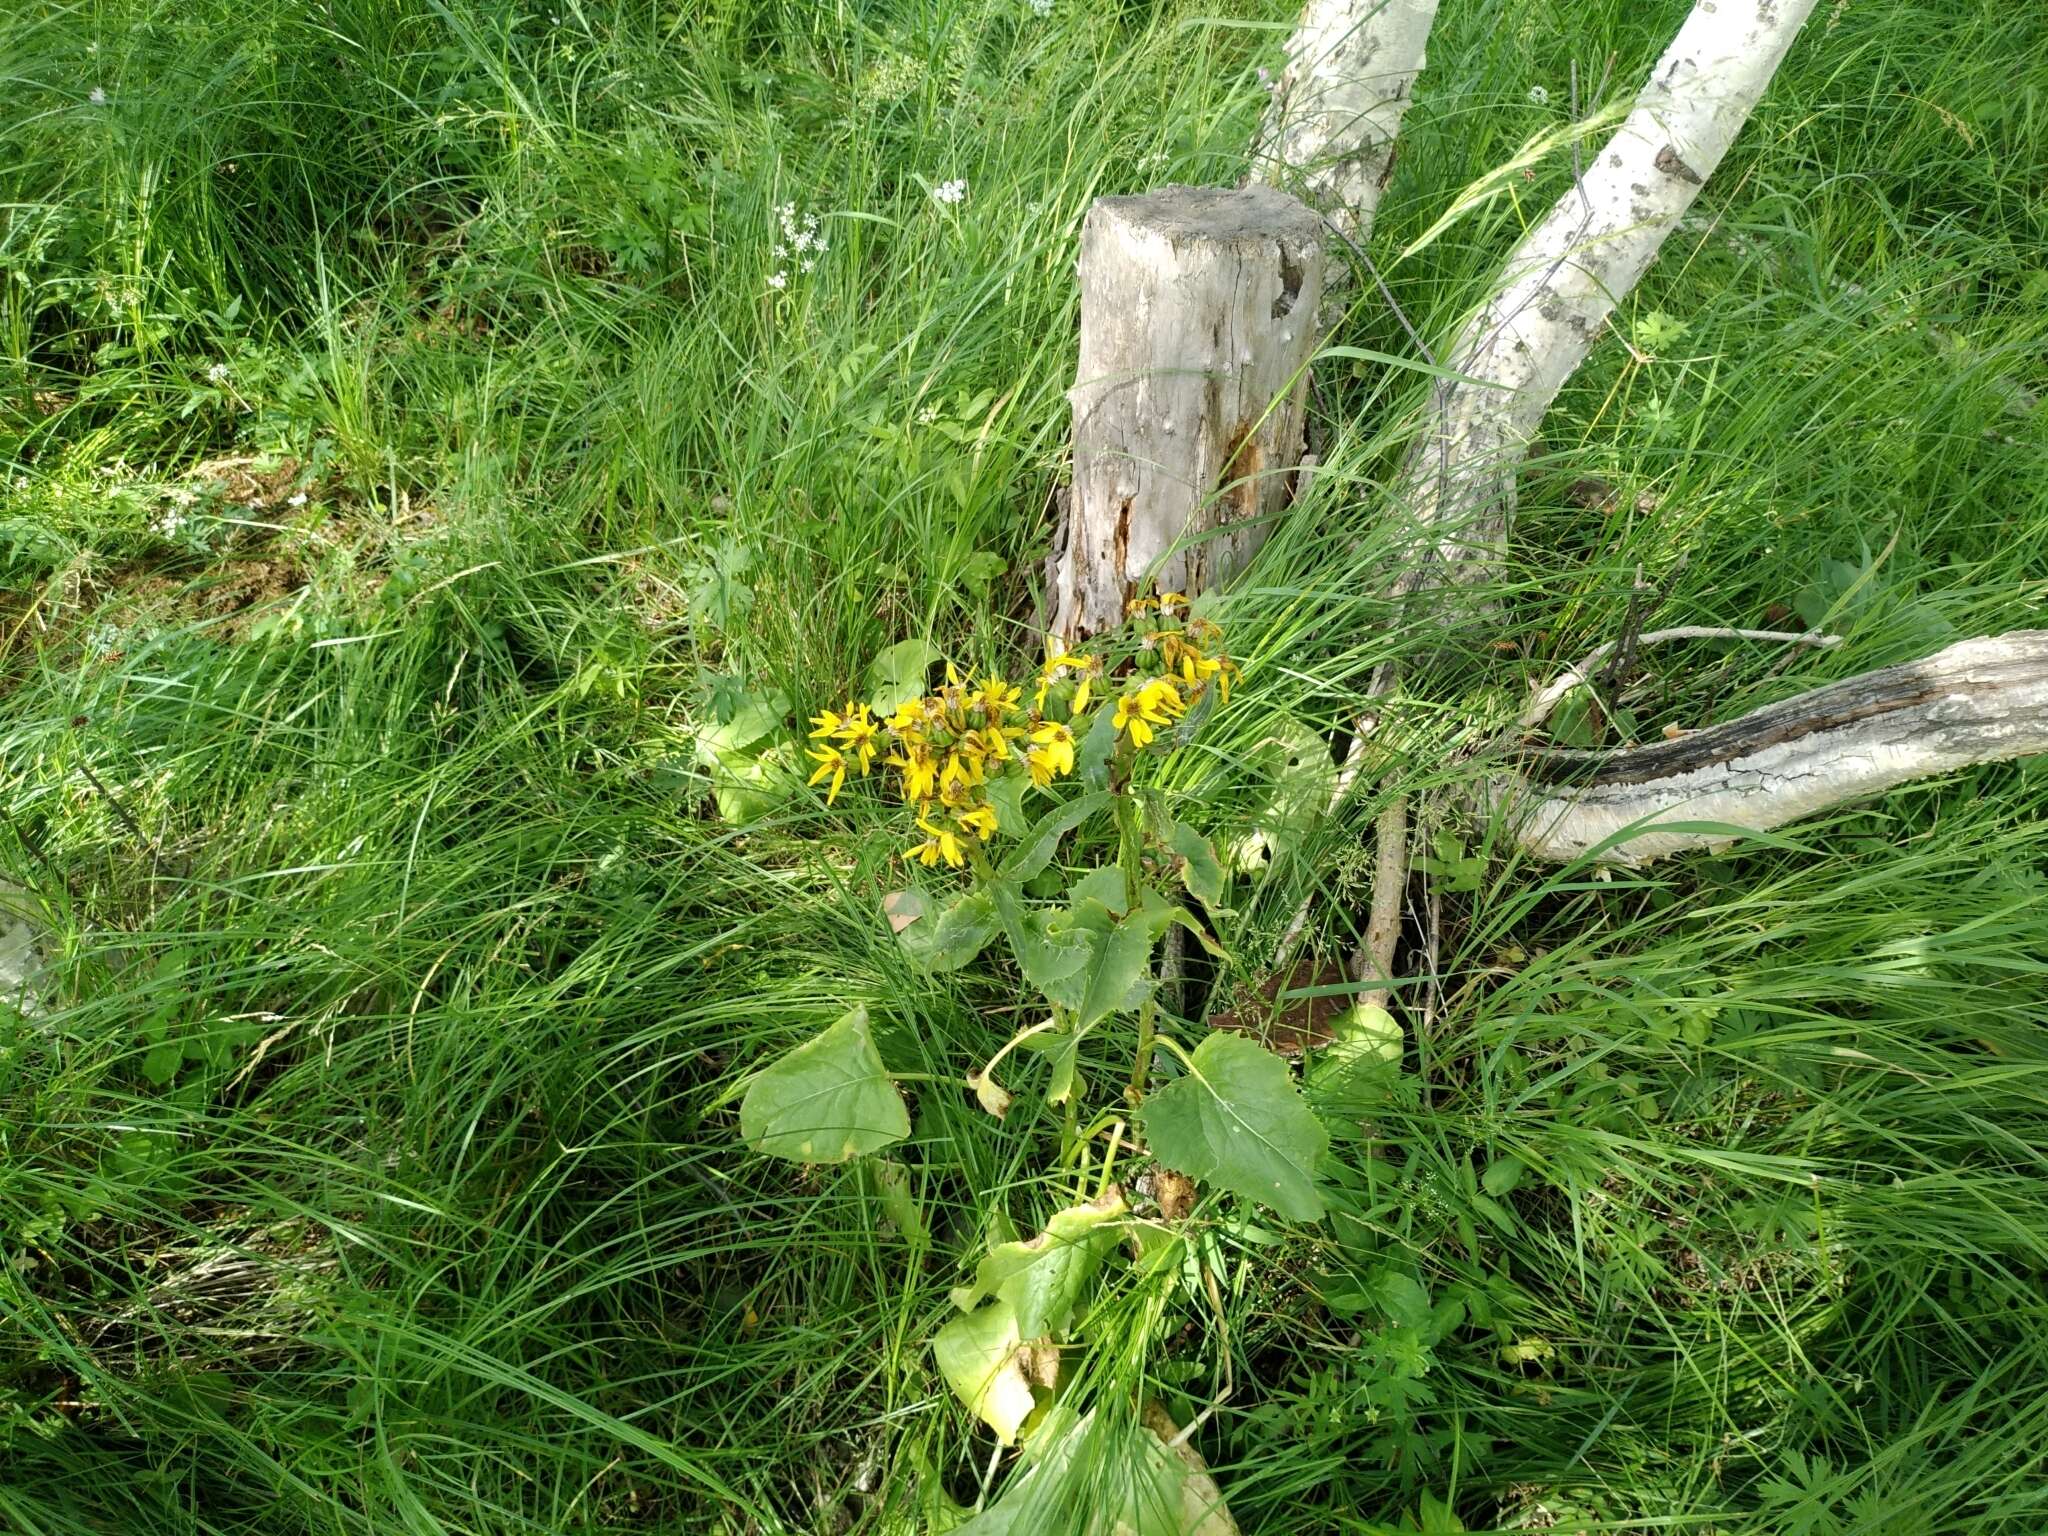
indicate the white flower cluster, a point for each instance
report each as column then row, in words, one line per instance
column 1538, row 96
column 1039, row 8
column 170, row 523
column 954, row 191
column 800, row 242
column 217, row 374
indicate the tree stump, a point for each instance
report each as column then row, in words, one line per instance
column 1198, row 318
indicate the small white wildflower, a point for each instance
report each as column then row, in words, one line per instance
column 217, row 373
column 778, row 280
column 169, row 524
column 949, row 192
column 780, row 252
column 96, row 96
column 296, row 499
column 1039, row 8
column 1538, row 96
column 928, row 415
column 808, row 263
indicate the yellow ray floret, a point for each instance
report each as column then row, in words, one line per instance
column 940, row 843
column 831, row 765
column 1051, row 754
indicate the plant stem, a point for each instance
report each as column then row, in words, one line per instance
column 1141, row 1068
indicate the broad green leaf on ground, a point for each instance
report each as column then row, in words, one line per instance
column 944, row 939
column 826, row 1101
column 897, row 675
column 1362, row 1058
column 1107, row 1476
column 1293, row 774
column 1043, row 1280
column 1236, row 1121
column 1037, row 849
column 992, row 1368
column 1200, row 870
column 744, row 756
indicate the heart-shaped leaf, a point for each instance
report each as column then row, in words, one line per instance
column 1237, row 1121
column 828, row 1100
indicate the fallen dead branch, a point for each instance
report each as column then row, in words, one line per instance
column 1979, row 701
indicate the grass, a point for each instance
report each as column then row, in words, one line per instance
column 371, row 1163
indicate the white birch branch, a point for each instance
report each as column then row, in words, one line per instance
column 1978, row 701
column 1572, row 677
column 1328, row 134
column 1565, row 278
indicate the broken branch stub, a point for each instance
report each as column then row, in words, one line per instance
column 1198, row 319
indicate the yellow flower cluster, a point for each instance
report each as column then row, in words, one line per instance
column 948, row 747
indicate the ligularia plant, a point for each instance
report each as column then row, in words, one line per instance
column 993, row 776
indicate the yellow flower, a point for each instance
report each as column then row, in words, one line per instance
column 1057, row 665
column 831, row 765
column 860, row 734
column 1051, row 754
column 1168, row 601
column 826, row 723
column 995, row 739
column 1080, row 697
column 981, row 820
column 1155, row 704
column 909, row 715
column 1128, row 721
column 939, row 843
column 962, row 772
column 920, row 771
column 997, row 698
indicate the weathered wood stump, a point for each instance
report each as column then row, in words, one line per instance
column 1198, row 319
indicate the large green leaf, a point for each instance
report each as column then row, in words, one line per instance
column 1042, row 1280
column 986, row 1362
column 1237, row 1121
column 1200, row 870
column 1098, row 747
column 1036, row 851
column 1051, row 958
column 746, row 757
column 954, row 936
column 897, row 675
column 1117, row 971
column 826, row 1101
